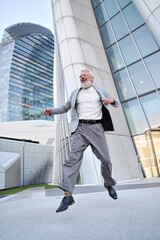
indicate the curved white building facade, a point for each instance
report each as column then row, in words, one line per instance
column 150, row 11
column 119, row 41
column 79, row 46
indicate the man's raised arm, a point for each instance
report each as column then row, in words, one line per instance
column 63, row 109
column 110, row 100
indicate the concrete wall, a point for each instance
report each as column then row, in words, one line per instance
column 80, row 46
column 36, row 160
column 9, row 170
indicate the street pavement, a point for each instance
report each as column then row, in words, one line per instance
column 31, row 214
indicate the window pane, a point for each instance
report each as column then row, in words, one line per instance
column 107, row 35
column 119, row 26
column 153, row 64
column 140, row 78
column 123, row 85
column 100, row 15
column 95, row 3
column 112, row 7
column 135, row 117
column 129, row 50
column 114, row 58
column 123, row 3
column 133, row 17
column 145, row 41
column 142, row 148
column 151, row 105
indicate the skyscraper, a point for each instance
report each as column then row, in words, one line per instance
column 26, row 66
column 119, row 41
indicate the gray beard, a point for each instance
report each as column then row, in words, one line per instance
column 87, row 84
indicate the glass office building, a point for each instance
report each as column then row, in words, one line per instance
column 26, row 72
column 134, row 58
column 118, row 40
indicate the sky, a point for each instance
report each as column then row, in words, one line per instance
column 32, row 11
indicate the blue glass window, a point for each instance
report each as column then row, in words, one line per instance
column 129, row 50
column 135, row 117
column 119, row 26
column 140, row 78
column 123, row 84
column 133, row 17
column 114, row 58
column 112, row 7
column 123, row 3
column 153, row 64
column 145, row 41
column 107, row 35
column 100, row 14
column 151, row 105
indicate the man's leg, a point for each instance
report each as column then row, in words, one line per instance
column 71, row 167
column 100, row 149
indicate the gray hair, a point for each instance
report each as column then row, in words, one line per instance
column 90, row 73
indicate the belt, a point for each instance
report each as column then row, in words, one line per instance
column 89, row 121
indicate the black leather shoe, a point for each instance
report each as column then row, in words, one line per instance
column 66, row 201
column 112, row 192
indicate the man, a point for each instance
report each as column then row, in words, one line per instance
column 90, row 118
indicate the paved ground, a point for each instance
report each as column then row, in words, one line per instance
column 94, row 216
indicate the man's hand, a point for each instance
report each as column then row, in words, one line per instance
column 107, row 101
column 47, row 111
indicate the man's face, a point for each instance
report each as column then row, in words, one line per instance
column 85, row 76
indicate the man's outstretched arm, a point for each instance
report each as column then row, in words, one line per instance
column 63, row 109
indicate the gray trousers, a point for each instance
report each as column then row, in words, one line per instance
column 85, row 135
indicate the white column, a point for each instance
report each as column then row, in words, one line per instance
column 150, row 11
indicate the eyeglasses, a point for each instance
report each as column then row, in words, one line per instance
column 84, row 75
